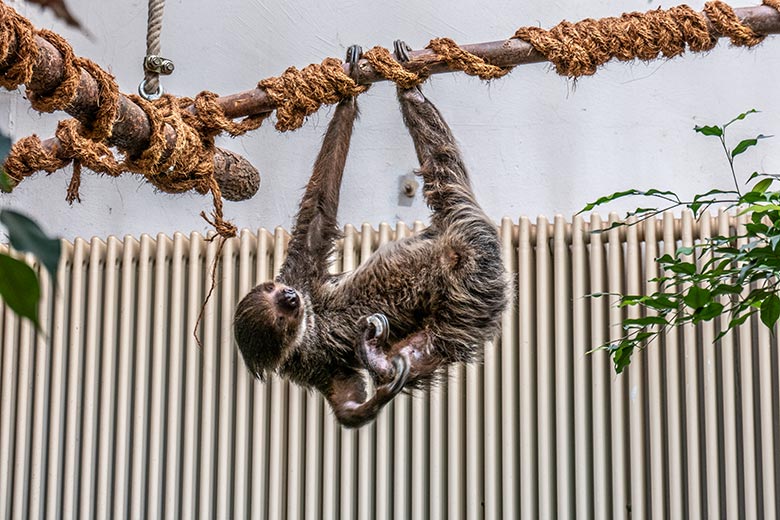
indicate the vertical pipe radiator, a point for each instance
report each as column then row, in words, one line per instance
column 112, row 410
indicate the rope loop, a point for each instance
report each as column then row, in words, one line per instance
column 65, row 92
column 385, row 64
column 459, row 59
column 299, row 93
column 724, row 20
column 578, row 49
column 18, row 50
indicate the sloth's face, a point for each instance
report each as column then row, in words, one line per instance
column 267, row 323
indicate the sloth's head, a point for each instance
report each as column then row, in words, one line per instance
column 267, row 324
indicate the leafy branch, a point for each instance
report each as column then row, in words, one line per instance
column 736, row 276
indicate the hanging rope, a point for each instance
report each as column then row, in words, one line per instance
column 154, row 64
column 151, row 84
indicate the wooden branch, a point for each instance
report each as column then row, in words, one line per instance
column 237, row 177
column 505, row 53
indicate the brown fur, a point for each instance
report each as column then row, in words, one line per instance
column 442, row 291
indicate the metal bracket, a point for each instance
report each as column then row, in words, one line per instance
column 149, row 96
column 158, row 65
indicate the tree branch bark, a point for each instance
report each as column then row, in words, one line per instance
column 504, row 53
column 237, row 177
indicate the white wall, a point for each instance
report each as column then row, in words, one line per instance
column 536, row 142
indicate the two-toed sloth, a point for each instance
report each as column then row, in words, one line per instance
column 416, row 306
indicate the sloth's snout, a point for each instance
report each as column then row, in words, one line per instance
column 290, row 298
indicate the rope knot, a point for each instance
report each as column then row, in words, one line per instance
column 299, row 93
column 460, row 59
column 578, row 49
column 726, row 23
column 384, row 63
column 16, row 67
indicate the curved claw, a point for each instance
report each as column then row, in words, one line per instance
column 381, row 326
column 401, row 365
column 354, row 52
column 401, row 51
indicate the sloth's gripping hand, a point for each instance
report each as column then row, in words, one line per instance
column 384, row 368
column 347, row 395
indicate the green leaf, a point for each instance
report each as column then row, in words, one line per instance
column 756, row 229
column 26, row 235
column 709, row 130
column 641, row 336
column 745, row 144
column 621, row 354
column 19, row 287
column 660, row 302
column 631, row 299
column 762, row 186
column 5, row 181
column 660, row 193
column 643, row 322
column 751, row 196
column 683, row 268
column 770, row 310
column 697, row 297
column 742, row 116
column 760, row 208
column 710, row 311
column 640, row 211
column 727, row 289
column 714, row 192
column 739, row 320
column 685, row 250
column 608, row 198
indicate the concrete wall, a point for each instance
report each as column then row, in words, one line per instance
column 536, row 143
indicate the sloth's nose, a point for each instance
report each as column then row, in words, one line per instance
column 290, row 297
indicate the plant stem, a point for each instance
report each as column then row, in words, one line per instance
column 731, row 161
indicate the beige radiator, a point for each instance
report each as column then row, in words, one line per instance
column 112, row 411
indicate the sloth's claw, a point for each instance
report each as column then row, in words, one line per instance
column 401, row 51
column 354, row 52
column 401, row 365
column 381, row 326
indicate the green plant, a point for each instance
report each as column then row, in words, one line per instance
column 737, row 275
column 19, row 285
